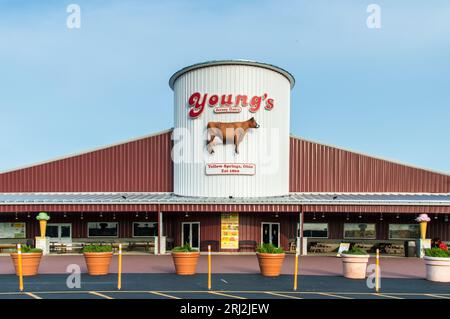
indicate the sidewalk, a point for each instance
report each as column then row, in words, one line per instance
column 227, row 264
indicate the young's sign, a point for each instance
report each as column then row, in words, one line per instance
column 227, row 103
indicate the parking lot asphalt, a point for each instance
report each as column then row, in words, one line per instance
column 224, row 286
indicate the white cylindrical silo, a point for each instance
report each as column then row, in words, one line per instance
column 231, row 92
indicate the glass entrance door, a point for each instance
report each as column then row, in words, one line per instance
column 270, row 233
column 59, row 233
column 191, row 234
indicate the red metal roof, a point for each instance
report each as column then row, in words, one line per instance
column 145, row 165
column 316, row 167
column 141, row 165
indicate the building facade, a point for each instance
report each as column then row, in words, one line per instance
column 227, row 175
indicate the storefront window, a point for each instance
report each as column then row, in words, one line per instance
column 359, row 231
column 315, row 230
column 145, row 229
column 103, row 229
column 12, row 230
column 404, row 231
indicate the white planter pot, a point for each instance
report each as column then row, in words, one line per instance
column 438, row 269
column 354, row 266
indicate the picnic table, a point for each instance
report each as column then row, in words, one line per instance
column 323, row 248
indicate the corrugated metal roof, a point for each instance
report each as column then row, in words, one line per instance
column 422, row 199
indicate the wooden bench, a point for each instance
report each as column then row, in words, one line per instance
column 395, row 249
column 247, row 244
column 214, row 245
column 7, row 246
column 146, row 245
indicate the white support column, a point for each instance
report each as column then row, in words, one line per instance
column 300, row 238
column 160, row 234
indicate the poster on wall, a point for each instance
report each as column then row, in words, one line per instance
column 229, row 231
column 12, row 230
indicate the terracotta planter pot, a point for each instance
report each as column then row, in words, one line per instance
column 270, row 264
column 354, row 266
column 30, row 263
column 438, row 268
column 185, row 263
column 98, row 263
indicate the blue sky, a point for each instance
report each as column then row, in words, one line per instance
column 385, row 92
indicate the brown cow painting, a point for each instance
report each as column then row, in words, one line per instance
column 229, row 132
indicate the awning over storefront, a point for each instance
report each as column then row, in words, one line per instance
column 408, row 199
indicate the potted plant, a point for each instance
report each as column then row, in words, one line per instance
column 437, row 263
column 354, row 262
column 43, row 217
column 185, row 259
column 98, row 259
column 31, row 258
column 270, row 259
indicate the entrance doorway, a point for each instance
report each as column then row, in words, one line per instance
column 190, row 234
column 270, row 233
column 59, row 233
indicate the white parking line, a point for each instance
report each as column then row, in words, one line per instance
column 282, row 295
column 333, row 295
column 225, row 295
column 163, row 294
column 100, row 295
column 32, row 295
column 436, row 296
column 387, row 296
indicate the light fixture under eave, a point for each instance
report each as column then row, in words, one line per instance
column 348, row 217
column 114, row 215
column 446, row 218
column 137, row 214
column 101, row 215
column 436, row 216
column 146, row 215
column 28, row 215
column 16, row 218
column 186, row 215
column 65, row 214
column 314, row 216
column 398, row 216
column 360, row 216
column 81, row 217
column 323, row 215
column 381, row 216
column 276, row 215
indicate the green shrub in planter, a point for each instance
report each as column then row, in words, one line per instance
column 437, row 252
column 355, row 251
column 27, row 249
column 97, row 249
column 269, row 249
column 186, row 248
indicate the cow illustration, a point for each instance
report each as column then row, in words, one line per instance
column 231, row 132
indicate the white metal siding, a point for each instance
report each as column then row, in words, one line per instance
column 272, row 138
